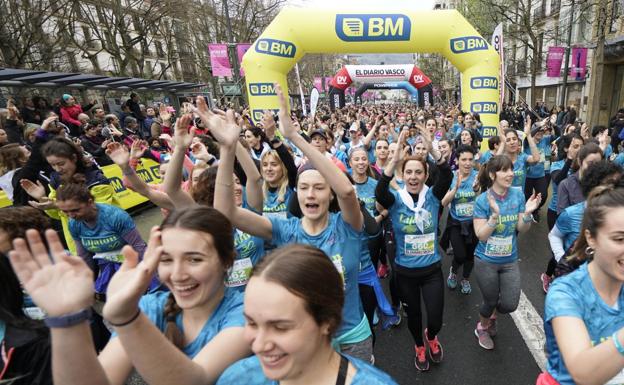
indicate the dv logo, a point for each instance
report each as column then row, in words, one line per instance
column 342, row 80
column 484, row 107
column 481, row 82
column 261, row 89
column 257, row 115
column 468, row 43
column 387, row 27
column 276, row 47
column 418, row 79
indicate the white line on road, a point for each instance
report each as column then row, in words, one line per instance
column 531, row 327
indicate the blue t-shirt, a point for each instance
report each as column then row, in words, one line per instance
column 415, row 247
column 485, row 157
column 342, row 245
column 556, row 166
column 249, row 251
column 540, row 168
column 227, row 314
column 619, row 160
column 519, row 169
column 462, row 205
column 574, row 295
column 272, row 207
column 248, row 371
column 366, row 193
column 502, row 246
column 569, row 223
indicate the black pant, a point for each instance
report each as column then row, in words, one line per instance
column 369, row 303
column 377, row 250
column 391, row 253
column 463, row 251
column 551, row 218
column 539, row 185
column 429, row 282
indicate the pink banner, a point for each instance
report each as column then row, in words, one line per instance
column 240, row 52
column 318, row 81
column 219, row 60
column 578, row 63
column 553, row 61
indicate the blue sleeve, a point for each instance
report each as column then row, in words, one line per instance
column 122, row 221
column 561, row 301
column 563, row 222
column 234, row 312
column 153, row 306
column 283, row 230
column 482, row 207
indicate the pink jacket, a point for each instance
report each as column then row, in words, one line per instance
column 69, row 114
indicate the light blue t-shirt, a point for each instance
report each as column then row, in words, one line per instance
column 415, row 247
column 366, row 193
column 569, row 223
column 227, row 314
column 485, row 157
column 462, row 205
column 248, row 371
column 342, row 244
column 540, row 168
column 502, row 246
column 619, row 160
column 520, row 168
column 273, row 207
column 556, row 166
column 574, row 295
column 249, row 251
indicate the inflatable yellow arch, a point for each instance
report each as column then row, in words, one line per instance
column 297, row 31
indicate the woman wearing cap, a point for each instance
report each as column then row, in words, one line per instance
column 70, row 110
column 337, row 234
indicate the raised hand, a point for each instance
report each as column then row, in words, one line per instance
column 493, row 205
column 61, row 285
column 131, row 280
column 222, row 125
column 118, row 153
column 527, row 125
column 164, row 114
column 285, row 122
column 200, row 152
column 533, row 203
column 44, row 204
column 167, row 138
column 268, row 122
column 36, row 191
column 184, row 132
column 137, row 149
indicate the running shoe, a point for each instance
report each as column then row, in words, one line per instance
column 492, row 328
column 451, row 281
column 391, row 321
column 375, row 318
column 382, row 270
column 485, row 340
column 436, row 353
column 420, row 362
column 465, row 286
column 546, row 281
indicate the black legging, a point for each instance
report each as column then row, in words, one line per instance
column 429, row 282
column 377, row 250
column 369, row 303
column 463, row 248
column 390, row 252
column 540, row 185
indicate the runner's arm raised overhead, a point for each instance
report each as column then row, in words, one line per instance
column 173, row 178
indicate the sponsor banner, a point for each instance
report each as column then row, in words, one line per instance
column 578, row 63
column 314, row 98
column 148, row 170
column 276, row 47
column 483, row 82
column 342, row 80
column 241, row 49
column 379, row 73
column 554, row 61
column 484, row 107
column 374, row 27
column 498, row 44
column 262, row 89
column 466, row 44
column 219, row 60
column 418, row 79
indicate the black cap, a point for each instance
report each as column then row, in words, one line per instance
column 318, row 132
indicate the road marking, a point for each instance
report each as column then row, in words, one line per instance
column 531, row 327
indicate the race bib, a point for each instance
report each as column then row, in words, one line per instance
column 337, row 261
column 239, row 273
column 464, row 209
column 547, row 165
column 499, row 246
column 271, row 215
column 542, row 157
column 617, row 380
column 110, row 256
column 417, row 245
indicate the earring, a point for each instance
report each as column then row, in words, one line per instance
column 589, row 251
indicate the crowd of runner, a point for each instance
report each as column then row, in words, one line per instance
column 266, row 267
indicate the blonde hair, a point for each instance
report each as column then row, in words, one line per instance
column 283, row 182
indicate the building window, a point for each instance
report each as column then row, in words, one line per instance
column 159, row 49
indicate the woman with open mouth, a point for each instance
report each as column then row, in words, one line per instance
column 512, row 147
column 188, row 335
column 414, row 212
column 499, row 214
column 337, row 234
column 290, row 323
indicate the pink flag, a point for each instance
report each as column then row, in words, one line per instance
column 578, row 63
column 219, row 60
column 240, row 52
column 553, row 61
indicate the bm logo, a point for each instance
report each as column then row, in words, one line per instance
column 468, row 43
column 484, row 107
column 276, row 47
column 262, row 89
column 257, row 115
column 387, row 27
column 489, row 82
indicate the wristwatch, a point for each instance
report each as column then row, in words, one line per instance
column 68, row 320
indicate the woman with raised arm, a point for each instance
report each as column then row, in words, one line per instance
column 291, row 321
column 512, row 147
column 188, row 335
column 414, row 212
column 337, row 234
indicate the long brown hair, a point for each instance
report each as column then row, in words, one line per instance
column 308, row 273
column 496, row 163
column 11, row 157
column 206, row 220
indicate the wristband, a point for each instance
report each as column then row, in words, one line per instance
column 131, row 320
column 617, row 343
column 493, row 226
column 528, row 219
column 68, row 320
